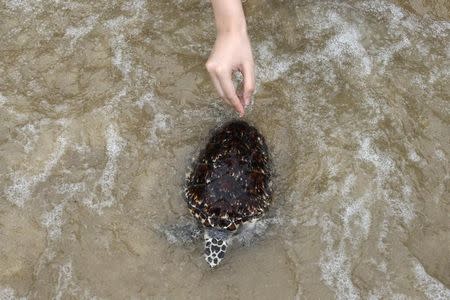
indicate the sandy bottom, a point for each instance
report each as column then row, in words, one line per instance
column 104, row 103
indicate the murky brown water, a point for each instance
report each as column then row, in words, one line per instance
column 103, row 103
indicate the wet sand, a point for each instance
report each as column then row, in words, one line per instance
column 104, row 104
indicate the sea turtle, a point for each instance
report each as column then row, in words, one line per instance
column 229, row 185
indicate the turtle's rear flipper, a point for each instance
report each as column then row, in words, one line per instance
column 182, row 233
column 252, row 231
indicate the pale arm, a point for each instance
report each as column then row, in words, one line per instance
column 231, row 52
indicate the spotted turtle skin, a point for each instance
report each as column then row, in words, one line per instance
column 230, row 181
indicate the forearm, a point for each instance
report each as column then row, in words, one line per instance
column 229, row 16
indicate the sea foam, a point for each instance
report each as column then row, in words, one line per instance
column 430, row 286
column 23, row 184
column 114, row 146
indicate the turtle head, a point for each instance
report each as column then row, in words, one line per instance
column 216, row 244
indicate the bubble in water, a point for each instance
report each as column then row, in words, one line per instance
column 76, row 33
column 7, row 293
column 335, row 264
column 20, row 191
column 64, row 280
column 114, row 146
column 53, row 221
column 3, row 100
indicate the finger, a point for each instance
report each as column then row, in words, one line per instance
column 216, row 83
column 239, row 89
column 213, row 74
column 240, row 95
column 248, row 70
column 229, row 91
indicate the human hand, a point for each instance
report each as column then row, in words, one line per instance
column 232, row 52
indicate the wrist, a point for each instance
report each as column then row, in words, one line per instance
column 229, row 17
column 232, row 29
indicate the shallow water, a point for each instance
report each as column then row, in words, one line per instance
column 104, row 103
